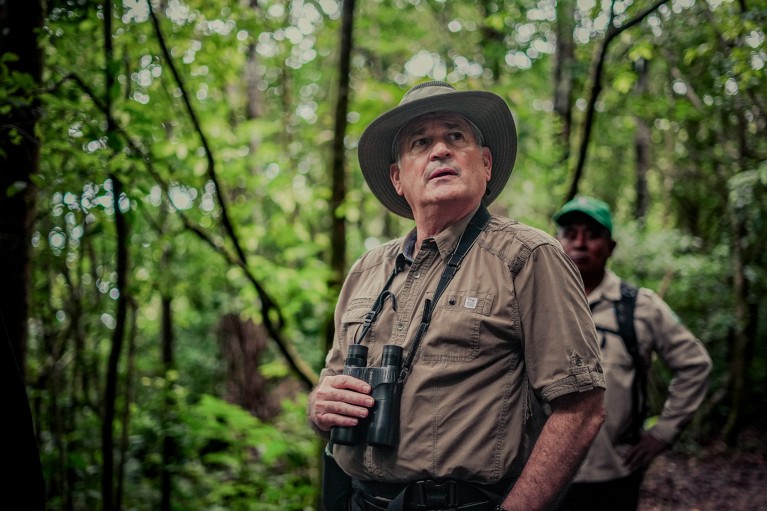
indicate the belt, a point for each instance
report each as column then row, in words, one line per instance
column 430, row 495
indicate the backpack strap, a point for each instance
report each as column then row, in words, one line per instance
column 624, row 313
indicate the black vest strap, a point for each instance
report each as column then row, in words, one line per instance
column 469, row 236
column 624, row 313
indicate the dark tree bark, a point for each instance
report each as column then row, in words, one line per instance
column 118, row 335
column 595, row 79
column 168, row 442
column 129, row 396
column 20, row 160
column 744, row 254
column 492, row 43
column 338, row 170
column 563, row 72
column 642, row 146
column 22, row 485
column 243, row 344
column 737, row 364
column 255, row 106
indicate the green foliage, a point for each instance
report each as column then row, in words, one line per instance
column 237, row 462
column 262, row 81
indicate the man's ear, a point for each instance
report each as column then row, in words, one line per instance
column 394, row 175
column 487, row 160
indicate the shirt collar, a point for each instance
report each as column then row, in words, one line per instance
column 446, row 241
column 609, row 289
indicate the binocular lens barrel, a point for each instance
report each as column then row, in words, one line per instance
column 349, row 435
column 384, row 418
column 381, row 427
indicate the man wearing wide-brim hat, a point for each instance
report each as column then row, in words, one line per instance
column 490, row 318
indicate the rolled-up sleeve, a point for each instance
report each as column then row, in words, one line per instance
column 559, row 338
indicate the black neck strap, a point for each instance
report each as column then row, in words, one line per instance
column 375, row 310
column 469, row 236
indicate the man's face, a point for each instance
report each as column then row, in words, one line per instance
column 588, row 244
column 441, row 163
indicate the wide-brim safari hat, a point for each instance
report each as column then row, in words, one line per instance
column 488, row 111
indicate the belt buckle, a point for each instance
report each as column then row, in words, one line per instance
column 436, row 495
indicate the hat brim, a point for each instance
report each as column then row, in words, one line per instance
column 488, row 111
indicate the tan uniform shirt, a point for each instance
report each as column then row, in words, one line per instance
column 513, row 318
column 658, row 331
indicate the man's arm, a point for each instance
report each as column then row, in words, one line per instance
column 690, row 364
column 559, row 451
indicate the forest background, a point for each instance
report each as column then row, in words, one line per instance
column 181, row 200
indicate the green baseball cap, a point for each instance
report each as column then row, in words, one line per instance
column 595, row 209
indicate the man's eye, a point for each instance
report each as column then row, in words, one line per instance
column 456, row 136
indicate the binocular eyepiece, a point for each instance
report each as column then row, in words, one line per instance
column 381, row 427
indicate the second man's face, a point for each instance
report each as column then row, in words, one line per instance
column 441, row 163
column 588, row 244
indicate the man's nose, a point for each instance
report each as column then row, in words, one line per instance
column 580, row 238
column 440, row 150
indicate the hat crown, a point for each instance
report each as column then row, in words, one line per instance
column 426, row 90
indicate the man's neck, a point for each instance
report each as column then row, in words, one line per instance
column 592, row 280
column 430, row 222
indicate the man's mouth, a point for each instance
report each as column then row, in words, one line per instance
column 442, row 173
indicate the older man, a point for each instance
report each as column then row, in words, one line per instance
column 490, row 317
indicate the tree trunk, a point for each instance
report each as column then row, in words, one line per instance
column 563, row 73
column 642, row 146
column 168, row 442
column 338, row 171
column 22, row 485
column 20, row 160
column 129, row 396
column 743, row 255
column 737, row 363
column 112, row 371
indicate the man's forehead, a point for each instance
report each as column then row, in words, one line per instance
column 445, row 119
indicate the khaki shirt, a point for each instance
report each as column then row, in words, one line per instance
column 513, row 319
column 658, row 331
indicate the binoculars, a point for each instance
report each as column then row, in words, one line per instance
column 381, row 427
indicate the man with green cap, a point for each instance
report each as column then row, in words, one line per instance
column 483, row 319
column 633, row 324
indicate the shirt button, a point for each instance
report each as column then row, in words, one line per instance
column 578, row 362
column 416, row 274
column 451, row 301
column 400, row 326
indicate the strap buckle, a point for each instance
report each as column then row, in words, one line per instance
column 435, row 495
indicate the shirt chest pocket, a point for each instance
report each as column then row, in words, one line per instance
column 456, row 326
column 353, row 320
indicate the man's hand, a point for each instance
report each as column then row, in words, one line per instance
column 641, row 454
column 339, row 400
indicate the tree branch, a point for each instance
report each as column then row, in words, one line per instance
column 300, row 368
column 596, row 87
